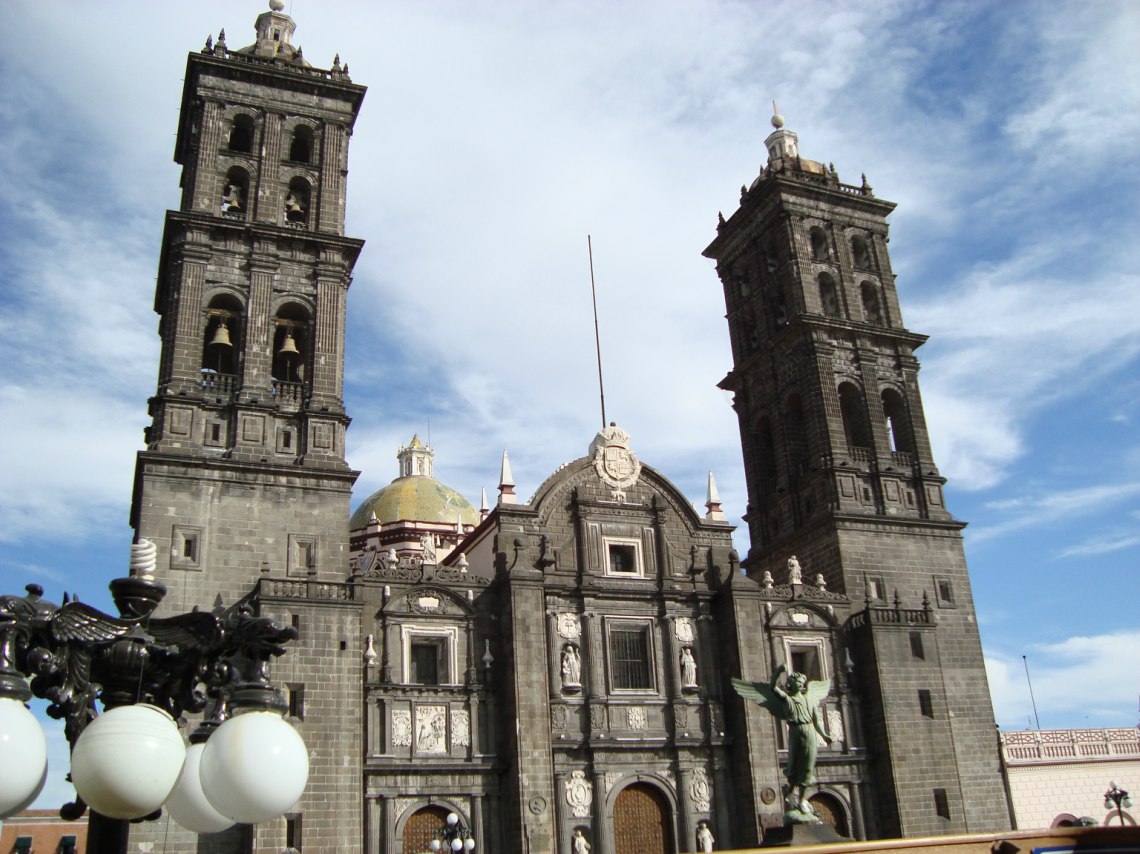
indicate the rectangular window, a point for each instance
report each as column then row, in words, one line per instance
column 805, row 660
column 916, row 648
column 876, row 590
column 302, row 555
column 67, row 844
column 296, row 692
column 945, row 592
column 941, row 804
column 23, row 844
column 623, row 557
column 428, row 661
column 185, row 547
column 925, row 703
column 629, row 658
column 293, row 831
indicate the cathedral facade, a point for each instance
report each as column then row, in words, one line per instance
column 556, row 672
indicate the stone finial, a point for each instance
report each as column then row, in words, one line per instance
column 506, row 482
column 769, row 582
column 820, row 581
column 277, row 5
column 209, row 48
column 370, row 655
column 336, row 63
column 712, row 502
column 484, row 510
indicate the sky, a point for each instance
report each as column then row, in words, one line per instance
column 496, row 136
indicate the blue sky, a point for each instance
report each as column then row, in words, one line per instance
column 495, row 137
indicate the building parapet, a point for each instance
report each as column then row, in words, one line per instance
column 1043, row 746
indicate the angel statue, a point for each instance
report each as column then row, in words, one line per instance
column 798, row 704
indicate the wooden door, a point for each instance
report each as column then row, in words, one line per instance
column 419, row 830
column 642, row 821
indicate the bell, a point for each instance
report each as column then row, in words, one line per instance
column 222, row 335
column 289, row 346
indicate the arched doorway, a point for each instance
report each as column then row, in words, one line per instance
column 830, row 812
column 642, row 821
column 420, row 828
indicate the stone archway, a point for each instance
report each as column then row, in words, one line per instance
column 420, row 828
column 643, row 821
column 831, row 812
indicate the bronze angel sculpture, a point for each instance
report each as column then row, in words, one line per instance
column 797, row 702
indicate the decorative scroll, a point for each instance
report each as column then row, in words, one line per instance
column 460, row 728
column 401, row 728
column 636, row 718
column 700, row 792
column 579, row 793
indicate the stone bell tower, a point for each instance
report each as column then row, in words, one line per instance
column 840, row 473
column 243, row 484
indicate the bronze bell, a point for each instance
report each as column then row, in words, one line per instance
column 222, row 336
column 289, row 346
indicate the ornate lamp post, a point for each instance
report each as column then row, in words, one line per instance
column 129, row 761
column 453, row 836
column 1115, row 798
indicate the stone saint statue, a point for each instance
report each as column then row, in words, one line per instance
column 581, row 845
column 571, row 667
column 704, row 838
column 798, row 704
column 795, row 572
column 688, row 669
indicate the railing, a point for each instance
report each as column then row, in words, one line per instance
column 289, row 395
column 903, row 459
column 1050, row 745
column 892, row 617
column 304, row 588
column 221, row 385
column 861, row 455
column 276, row 62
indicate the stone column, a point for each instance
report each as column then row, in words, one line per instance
column 601, row 825
column 685, row 809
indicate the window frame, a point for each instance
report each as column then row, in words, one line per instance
column 609, row 542
column 644, row 627
column 445, row 637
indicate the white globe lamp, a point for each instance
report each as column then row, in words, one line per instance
column 23, row 756
column 188, row 804
column 254, row 767
column 126, row 762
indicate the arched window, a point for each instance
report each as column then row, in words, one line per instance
column 829, row 296
column 301, row 149
column 221, row 342
column 872, row 306
column 855, row 429
column 235, row 194
column 899, row 433
column 241, row 134
column 859, row 256
column 819, row 245
column 291, row 340
column 297, row 199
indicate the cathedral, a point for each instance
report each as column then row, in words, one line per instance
column 556, row 671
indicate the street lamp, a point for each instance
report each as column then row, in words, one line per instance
column 452, row 836
column 146, row 671
column 1115, row 798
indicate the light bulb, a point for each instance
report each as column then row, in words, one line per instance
column 127, row 760
column 255, row 766
column 188, row 805
column 469, row 844
column 23, row 756
column 452, row 819
column 434, row 845
column 457, row 845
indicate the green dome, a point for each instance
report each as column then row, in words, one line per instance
column 415, row 498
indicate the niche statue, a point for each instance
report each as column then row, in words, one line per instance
column 797, row 702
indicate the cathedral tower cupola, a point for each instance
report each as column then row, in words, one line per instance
column 274, row 33
column 415, row 459
column 781, row 143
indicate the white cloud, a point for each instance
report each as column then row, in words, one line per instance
column 1101, row 546
column 1087, row 679
column 1042, row 509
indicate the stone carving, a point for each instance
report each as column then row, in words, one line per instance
column 700, row 792
column 797, row 702
column 636, row 718
column 431, row 729
column 612, row 778
column 614, row 462
column 684, row 630
column 716, row 717
column 557, row 717
column 795, row 571
column 568, row 625
column 427, row 544
column 688, row 670
column 579, row 793
column 705, row 838
column 835, row 725
column 460, row 728
column 681, row 716
column 401, row 728
column 402, row 805
column 571, row 669
column 598, row 717
column 581, row 845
